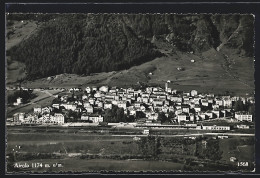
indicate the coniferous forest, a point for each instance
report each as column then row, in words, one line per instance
column 90, row 43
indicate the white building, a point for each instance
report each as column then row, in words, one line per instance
column 104, row 89
column 88, row 89
column 242, row 116
column 121, row 104
column 182, row 117
column 96, row 119
column 18, row 117
column 193, row 93
column 37, row 109
column 108, row 106
column 18, row 101
column 84, row 117
column 59, row 118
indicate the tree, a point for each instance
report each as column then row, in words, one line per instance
column 171, row 115
column 162, row 117
column 140, row 114
column 120, row 114
column 150, row 146
column 239, row 106
column 210, row 151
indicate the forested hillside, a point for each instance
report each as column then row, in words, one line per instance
column 90, row 43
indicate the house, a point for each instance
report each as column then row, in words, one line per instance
column 169, row 90
column 122, row 104
column 96, row 119
column 216, row 113
column 19, row 101
column 56, row 105
column 186, row 94
column 139, row 99
column 197, row 108
column 103, row 89
column 94, row 88
column 115, row 102
column 88, row 90
column 243, row 126
column 192, row 105
column 145, row 95
column 210, row 100
column 163, row 97
column 214, row 127
column 109, row 97
column 227, row 103
column 91, row 101
column 46, row 110
column 145, row 100
column 185, row 109
column 196, row 100
column 204, row 102
column 37, row 109
column 215, row 106
column 157, row 108
column 86, row 104
column 178, row 111
column 112, row 90
column 222, row 136
column 243, row 116
column 165, row 109
column 89, row 109
column 18, row 117
column 46, row 119
column 99, row 104
column 146, row 132
column 171, row 109
column 149, row 89
column 151, row 115
column 192, row 117
column 137, row 104
column 97, row 95
column 132, row 112
column 108, row 106
column 69, row 106
column 219, row 102
column 31, row 118
column 186, row 100
column 84, row 97
column 157, row 102
column 59, row 118
column 223, row 113
column 142, row 108
column 182, row 117
column 202, row 115
column 233, row 159
column 193, row 93
column 209, row 114
column 64, row 98
column 84, row 117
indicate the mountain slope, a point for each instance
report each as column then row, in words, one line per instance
column 220, row 45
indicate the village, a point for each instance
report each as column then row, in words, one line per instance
column 152, row 107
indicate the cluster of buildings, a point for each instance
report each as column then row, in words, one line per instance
column 177, row 106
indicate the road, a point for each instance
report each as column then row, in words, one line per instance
column 178, row 135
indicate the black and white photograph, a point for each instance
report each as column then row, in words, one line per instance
column 130, row 92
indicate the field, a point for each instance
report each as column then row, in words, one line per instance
column 96, row 151
column 105, row 165
column 234, row 147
